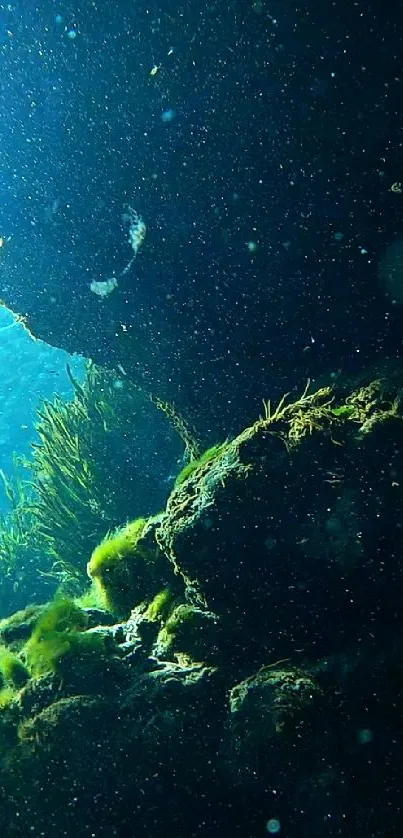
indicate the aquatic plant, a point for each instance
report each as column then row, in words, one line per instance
column 7, row 696
column 17, row 628
column 159, row 607
column 206, row 457
column 13, row 670
column 123, row 568
column 92, row 468
column 22, row 550
column 86, row 469
column 182, row 428
column 89, row 599
column 19, row 537
column 188, row 632
column 56, row 634
column 293, row 420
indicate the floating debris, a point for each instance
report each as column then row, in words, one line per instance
column 102, row 288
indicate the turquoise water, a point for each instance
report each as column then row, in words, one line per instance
column 30, row 371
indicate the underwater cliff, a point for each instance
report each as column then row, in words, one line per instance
column 234, row 657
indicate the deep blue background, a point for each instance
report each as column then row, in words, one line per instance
column 268, row 203
column 286, row 133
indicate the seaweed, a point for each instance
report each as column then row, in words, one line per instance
column 122, row 568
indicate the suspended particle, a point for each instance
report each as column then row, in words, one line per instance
column 168, row 115
column 273, row 826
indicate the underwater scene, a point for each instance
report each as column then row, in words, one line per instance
column 201, row 423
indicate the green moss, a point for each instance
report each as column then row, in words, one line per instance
column 57, row 633
column 14, row 672
column 188, row 631
column 115, row 548
column 90, row 599
column 159, row 606
column 7, row 695
column 61, row 615
column 17, row 628
column 122, row 569
column 344, row 411
column 207, row 455
column 183, row 615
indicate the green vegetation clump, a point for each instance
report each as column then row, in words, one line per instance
column 58, row 632
column 122, row 569
column 90, row 598
column 345, row 411
column 19, row 537
column 206, row 457
column 7, row 696
column 293, row 421
column 17, row 628
column 13, row 670
column 89, row 471
column 188, row 632
column 159, row 607
column 369, row 405
column 76, row 459
column 183, row 615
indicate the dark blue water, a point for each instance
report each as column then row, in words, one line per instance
column 261, row 144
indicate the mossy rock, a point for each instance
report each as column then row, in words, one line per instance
column 16, row 629
column 12, row 669
column 128, row 567
column 245, row 523
column 189, row 632
column 271, row 713
column 61, row 645
column 207, row 456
